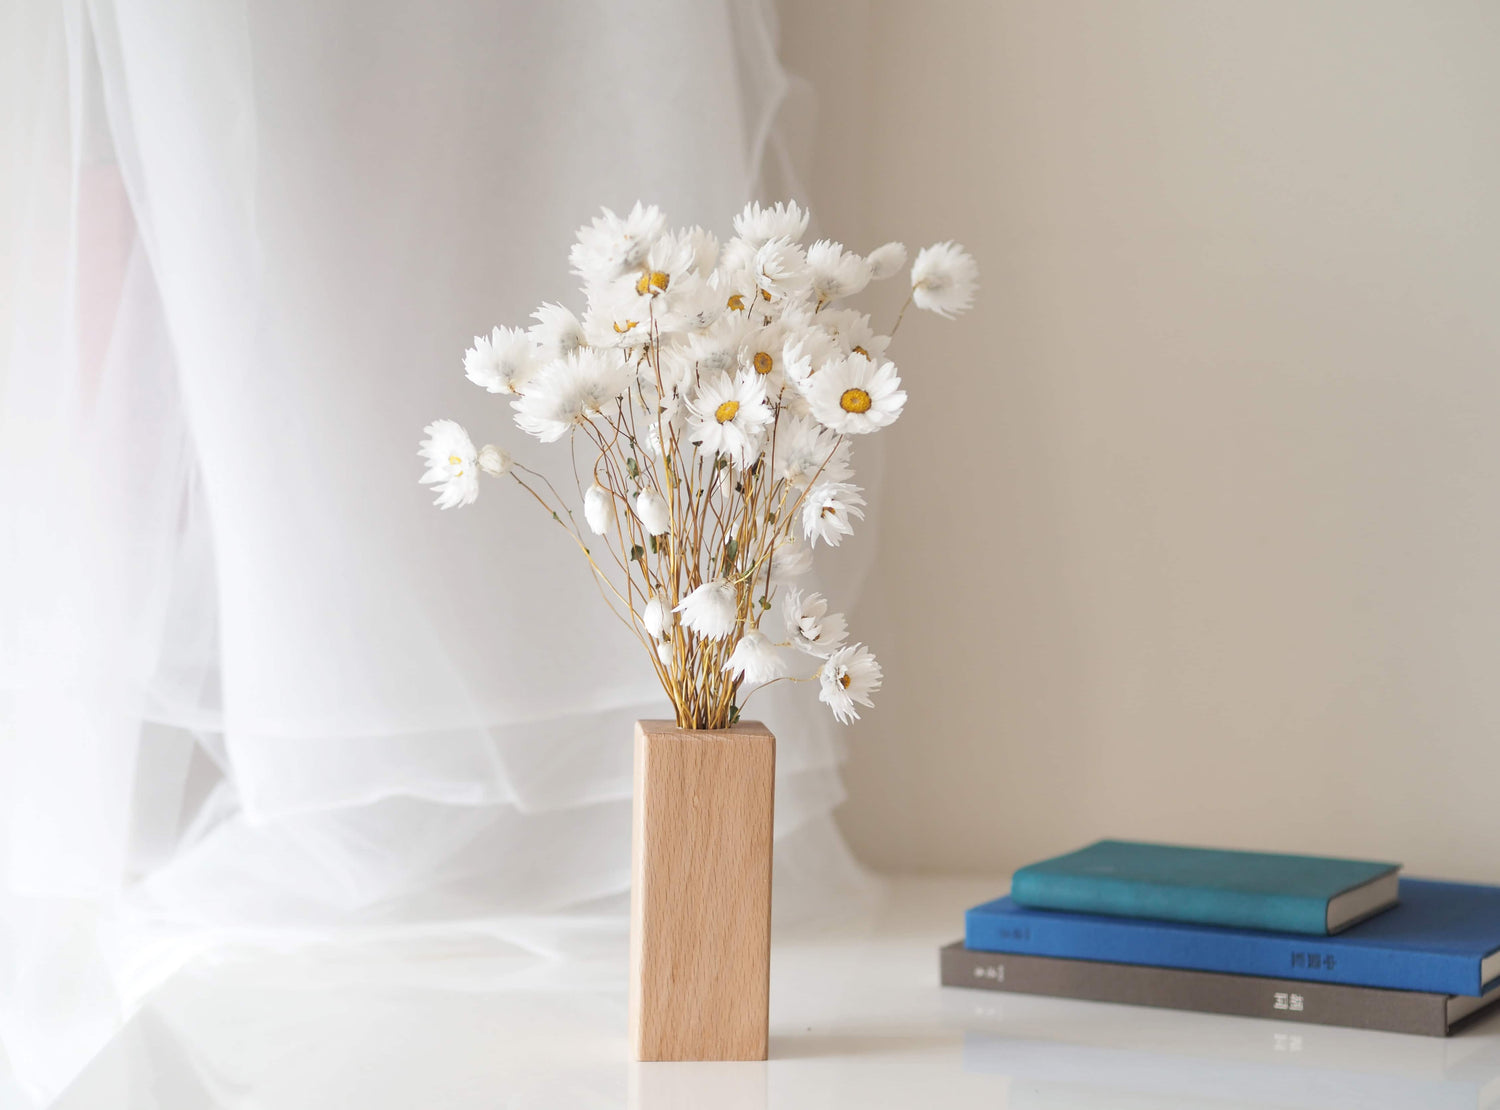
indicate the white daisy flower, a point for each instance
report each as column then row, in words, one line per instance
column 943, row 279
column 452, row 464
column 710, row 610
column 854, row 335
column 657, row 618
column 757, row 225
column 611, row 245
column 654, row 513
column 556, row 333
column 599, row 509
column 854, row 396
column 810, row 626
column 762, row 354
column 807, row 451
column 755, row 659
column 780, row 269
column 829, row 510
column 834, row 272
column 503, row 363
column 850, row 675
column 495, row 461
column 885, row 261
column 692, row 307
column 617, row 316
column 571, row 392
column 729, row 415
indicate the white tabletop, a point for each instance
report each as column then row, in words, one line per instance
column 858, row 1020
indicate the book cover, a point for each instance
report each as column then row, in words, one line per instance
column 1441, row 937
column 1423, row 1013
column 1209, row 886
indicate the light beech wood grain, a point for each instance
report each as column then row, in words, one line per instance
column 700, row 901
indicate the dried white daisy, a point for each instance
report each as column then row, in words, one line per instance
column 452, row 464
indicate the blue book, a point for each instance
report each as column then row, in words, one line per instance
column 1442, row 937
column 1209, row 886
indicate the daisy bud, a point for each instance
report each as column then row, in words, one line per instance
column 652, row 509
column 494, row 460
column 599, row 509
column 885, row 261
column 655, row 618
column 710, row 610
column 664, row 653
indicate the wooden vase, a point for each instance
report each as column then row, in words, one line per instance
column 700, row 896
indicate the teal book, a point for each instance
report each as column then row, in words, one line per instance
column 1275, row 893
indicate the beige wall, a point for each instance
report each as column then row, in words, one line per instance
column 1192, row 529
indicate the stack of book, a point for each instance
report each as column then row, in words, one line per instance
column 1299, row 938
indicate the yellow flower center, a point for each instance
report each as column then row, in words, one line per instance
column 622, row 327
column 861, row 351
column 844, row 680
column 725, row 412
column 762, row 362
column 765, row 295
column 736, row 302
column 454, row 460
column 855, row 400
column 652, row 282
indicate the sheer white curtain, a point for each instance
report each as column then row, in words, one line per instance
column 255, row 686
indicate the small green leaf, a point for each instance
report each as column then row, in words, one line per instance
column 637, row 552
column 652, row 542
column 765, row 602
column 631, row 468
column 734, row 714
column 771, row 518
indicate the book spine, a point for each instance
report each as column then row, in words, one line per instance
column 1419, row 1012
column 1128, row 941
column 1045, row 890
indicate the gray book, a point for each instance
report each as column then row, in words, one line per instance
column 1209, row 992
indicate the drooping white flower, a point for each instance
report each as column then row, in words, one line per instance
column 556, row 333
column 829, row 512
column 886, row 260
column 853, row 395
column 943, row 279
column 790, row 558
column 729, row 415
column 755, row 659
column 810, row 626
column 710, row 610
column 757, row 225
column 495, row 461
column 806, row 452
column 657, row 618
column 654, row 513
column 571, row 392
column 599, row 509
column 502, row 363
column 850, row 676
column 612, row 245
column 780, row 269
column 834, row 272
column 452, row 464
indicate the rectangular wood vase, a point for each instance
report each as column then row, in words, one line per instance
column 700, row 898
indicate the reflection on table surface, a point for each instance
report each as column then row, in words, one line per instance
column 857, row 1020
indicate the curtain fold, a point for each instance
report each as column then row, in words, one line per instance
column 255, row 685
